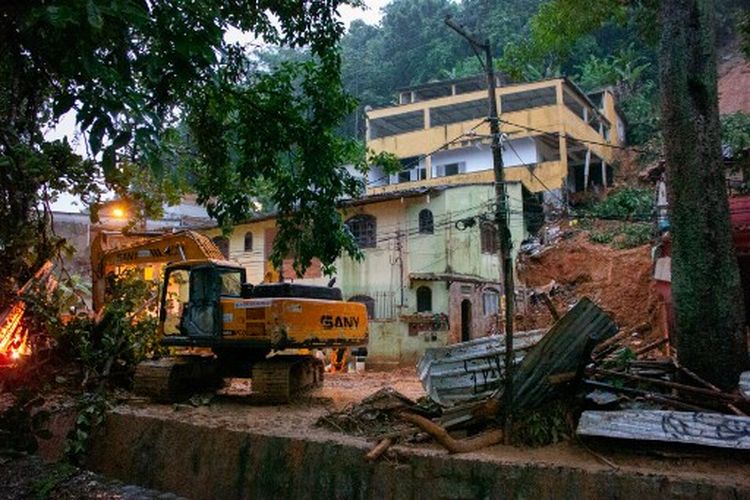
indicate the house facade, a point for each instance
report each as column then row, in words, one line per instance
column 430, row 274
column 557, row 140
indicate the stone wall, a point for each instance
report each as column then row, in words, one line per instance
column 214, row 462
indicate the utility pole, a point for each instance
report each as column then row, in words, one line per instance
column 501, row 215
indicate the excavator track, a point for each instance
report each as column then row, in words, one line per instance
column 176, row 378
column 279, row 378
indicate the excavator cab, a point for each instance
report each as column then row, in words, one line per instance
column 191, row 298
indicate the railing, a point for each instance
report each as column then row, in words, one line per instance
column 381, row 305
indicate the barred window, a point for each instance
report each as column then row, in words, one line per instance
column 488, row 237
column 426, row 224
column 424, row 299
column 364, row 230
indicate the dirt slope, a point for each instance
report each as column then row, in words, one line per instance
column 619, row 281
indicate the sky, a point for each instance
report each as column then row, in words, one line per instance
column 371, row 14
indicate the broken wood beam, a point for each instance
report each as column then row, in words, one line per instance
column 706, row 429
column 708, row 384
column 611, row 343
column 671, row 385
column 562, row 378
column 650, row 347
column 550, row 306
column 651, row 396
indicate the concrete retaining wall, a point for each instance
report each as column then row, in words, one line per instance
column 203, row 462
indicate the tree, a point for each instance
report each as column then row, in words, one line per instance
column 144, row 79
column 710, row 332
column 710, row 335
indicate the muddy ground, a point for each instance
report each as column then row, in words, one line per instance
column 298, row 420
column 26, row 476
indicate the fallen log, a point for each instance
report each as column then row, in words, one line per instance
column 708, row 384
column 446, row 441
column 706, row 429
column 379, row 449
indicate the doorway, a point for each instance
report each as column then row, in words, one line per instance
column 465, row 320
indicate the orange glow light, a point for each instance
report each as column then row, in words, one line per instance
column 118, row 212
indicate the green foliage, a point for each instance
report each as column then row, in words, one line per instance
column 735, row 132
column 547, row 425
column 125, row 334
column 623, row 236
column 91, row 407
column 134, row 73
column 42, row 487
column 626, row 203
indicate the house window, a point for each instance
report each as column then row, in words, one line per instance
column 491, row 301
column 424, row 299
column 368, row 301
column 488, row 237
column 363, row 228
column 426, row 224
column 450, row 169
column 248, row 241
column 223, row 244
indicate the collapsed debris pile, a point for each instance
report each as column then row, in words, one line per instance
column 376, row 416
column 571, row 267
column 582, row 363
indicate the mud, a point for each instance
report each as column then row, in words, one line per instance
column 228, row 449
column 619, row 281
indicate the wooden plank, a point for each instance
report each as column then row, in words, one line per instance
column 706, row 429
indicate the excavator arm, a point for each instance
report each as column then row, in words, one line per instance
column 112, row 252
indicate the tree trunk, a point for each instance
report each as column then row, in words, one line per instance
column 710, row 335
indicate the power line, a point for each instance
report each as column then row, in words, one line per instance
column 558, row 135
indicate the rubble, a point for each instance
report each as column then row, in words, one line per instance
column 618, row 281
column 375, row 417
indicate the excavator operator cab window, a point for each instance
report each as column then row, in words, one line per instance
column 176, row 297
column 231, row 282
column 191, row 300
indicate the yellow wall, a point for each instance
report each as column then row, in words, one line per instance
column 554, row 118
column 446, row 250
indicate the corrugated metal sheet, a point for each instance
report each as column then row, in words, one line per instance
column 707, row 429
column 565, row 348
column 470, row 370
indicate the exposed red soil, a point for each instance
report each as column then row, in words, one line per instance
column 619, row 281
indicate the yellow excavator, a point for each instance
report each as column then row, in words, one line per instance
column 219, row 325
